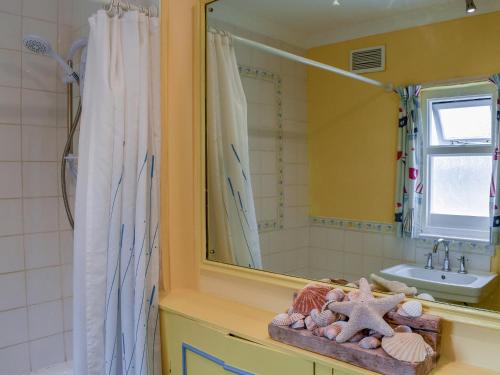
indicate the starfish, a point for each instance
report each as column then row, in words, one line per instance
column 365, row 311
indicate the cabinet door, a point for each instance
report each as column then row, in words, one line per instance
column 322, row 370
column 195, row 349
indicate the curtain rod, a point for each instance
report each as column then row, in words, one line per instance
column 124, row 5
column 316, row 64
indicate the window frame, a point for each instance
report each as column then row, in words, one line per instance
column 455, row 227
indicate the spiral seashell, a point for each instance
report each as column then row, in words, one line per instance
column 335, row 295
column 370, row 342
column 426, row 297
column 294, row 317
column 411, row 309
column 324, row 318
column 408, row 347
column 310, row 324
column 403, row 329
column 357, row 337
column 313, row 296
column 281, row 320
column 299, row 324
column 332, row 331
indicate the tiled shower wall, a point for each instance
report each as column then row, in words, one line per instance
column 35, row 238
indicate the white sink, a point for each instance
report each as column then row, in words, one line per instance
column 470, row 288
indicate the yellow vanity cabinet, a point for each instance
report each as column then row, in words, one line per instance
column 197, row 349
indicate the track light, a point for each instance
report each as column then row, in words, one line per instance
column 470, row 7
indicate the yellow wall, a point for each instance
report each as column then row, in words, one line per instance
column 353, row 126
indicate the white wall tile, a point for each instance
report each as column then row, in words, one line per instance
column 353, row 263
column 393, row 246
column 68, row 313
column 10, row 6
column 39, row 73
column 68, row 345
column 335, row 261
column 15, row 360
column 44, row 285
column 336, row 239
column 66, row 246
column 43, row 9
column 354, row 242
column 10, row 143
column 11, row 254
column 39, row 107
column 10, row 30
column 372, row 264
column 40, row 179
column 12, row 291
column 40, row 214
column 14, row 327
column 373, row 244
column 11, row 217
column 67, row 280
column 39, row 144
column 42, row 250
column 10, row 180
column 10, row 102
column 47, row 351
column 45, row 319
column 10, row 71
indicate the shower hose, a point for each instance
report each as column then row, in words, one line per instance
column 64, row 159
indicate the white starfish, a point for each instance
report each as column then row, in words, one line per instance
column 366, row 312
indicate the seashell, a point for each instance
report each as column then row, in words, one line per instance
column 324, row 318
column 351, row 285
column 375, row 334
column 335, row 295
column 281, row 320
column 411, row 309
column 295, row 317
column 370, row 342
column 426, row 297
column 309, row 322
column 313, row 296
column 342, row 317
column 340, row 324
column 299, row 324
column 332, row 331
column 357, row 337
column 290, row 310
column 402, row 329
column 319, row 331
column 352, row 296
column 393, row 286
column 408, row 347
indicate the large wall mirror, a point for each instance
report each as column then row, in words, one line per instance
column 349, row 139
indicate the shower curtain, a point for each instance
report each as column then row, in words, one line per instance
column 234, row 236
column 116, row 262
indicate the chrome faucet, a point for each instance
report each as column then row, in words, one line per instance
column 428, row 264
column 461, row 267
column 446, row 263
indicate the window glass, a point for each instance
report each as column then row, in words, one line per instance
column 463, row 123
column 459, row 185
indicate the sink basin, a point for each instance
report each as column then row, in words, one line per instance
column 470, row 288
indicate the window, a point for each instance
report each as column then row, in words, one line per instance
column 458, row 163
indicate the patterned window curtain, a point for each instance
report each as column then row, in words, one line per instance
column 494, row 193
column 409, row 181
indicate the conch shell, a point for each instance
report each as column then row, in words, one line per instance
column 393, row 286
column 408, row 347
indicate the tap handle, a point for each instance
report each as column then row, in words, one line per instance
column 428, row 264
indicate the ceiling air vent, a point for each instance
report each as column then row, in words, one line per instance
column 367, row 60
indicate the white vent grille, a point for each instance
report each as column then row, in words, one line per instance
column 366, row 60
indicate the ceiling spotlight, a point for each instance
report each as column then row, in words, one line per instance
column 335, row 2
column 470, row 7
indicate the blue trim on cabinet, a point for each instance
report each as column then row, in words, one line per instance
column 218, row 361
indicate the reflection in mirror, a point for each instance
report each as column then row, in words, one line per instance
column 345, row 139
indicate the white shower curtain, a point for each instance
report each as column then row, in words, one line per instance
column 234, row 236
column 116, row 263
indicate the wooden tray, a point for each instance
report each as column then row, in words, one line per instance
column 377, row 360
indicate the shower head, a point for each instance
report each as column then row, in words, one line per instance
column 38, row 45
column 41, row 46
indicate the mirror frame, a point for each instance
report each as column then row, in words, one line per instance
column 467, row 315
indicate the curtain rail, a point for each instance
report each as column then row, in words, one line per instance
column 316, row 64
column 127, row 6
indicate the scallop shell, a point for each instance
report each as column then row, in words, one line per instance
column 370, row 342
column 281, row 320
column 294, row 317
column 335, row 295
column 332, row 331
column 402, row 329
column 313, row 296
column 411, row 309
column 299, row 324
column 309, row 322
column 324, row 318
column 426, row 297
column 408, row 347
